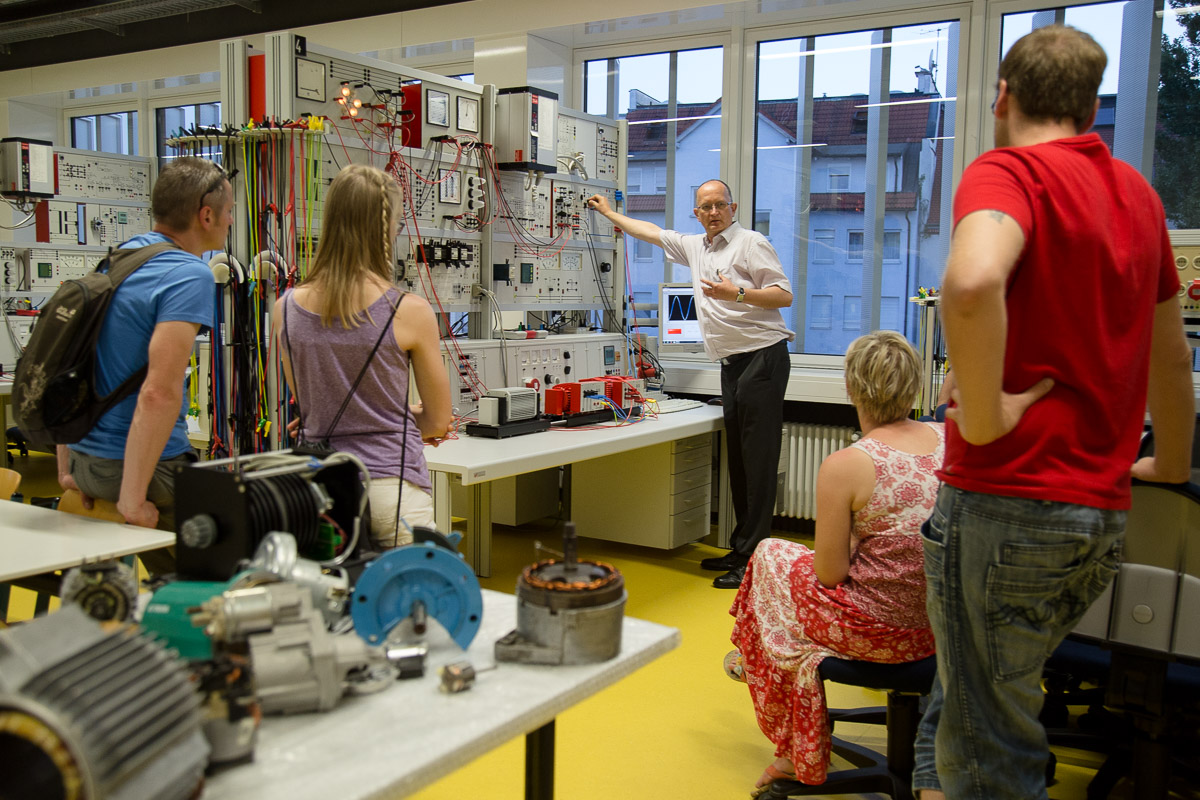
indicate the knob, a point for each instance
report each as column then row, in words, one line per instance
column 198, row 532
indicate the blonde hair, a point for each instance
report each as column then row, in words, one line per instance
column 1054, row 73
column 356, row 240
column 883, row 376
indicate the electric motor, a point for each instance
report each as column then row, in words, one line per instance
column 89, row 713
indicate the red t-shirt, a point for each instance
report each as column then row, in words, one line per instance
column 1080, row 306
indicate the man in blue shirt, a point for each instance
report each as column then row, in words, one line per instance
column 153, row 321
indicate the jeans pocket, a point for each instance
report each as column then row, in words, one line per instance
column 1024, row 608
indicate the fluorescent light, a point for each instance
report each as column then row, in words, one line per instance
column 855, row 48
column 1177, row 11
column 909, row 102
column 939, row 138
column 672, row 119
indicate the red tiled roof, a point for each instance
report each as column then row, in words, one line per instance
column 653, row 136
column 833, row 120
column 646, row 202
column 853, row 201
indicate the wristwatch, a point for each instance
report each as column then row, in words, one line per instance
column 741, row 295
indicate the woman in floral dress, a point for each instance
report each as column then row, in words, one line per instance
column 860, row 594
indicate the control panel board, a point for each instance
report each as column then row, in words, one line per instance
column 474, row 366
column 96, row 176
column 1187, row 261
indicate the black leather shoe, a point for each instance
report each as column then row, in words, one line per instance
column 731, row 560
column 731, row 579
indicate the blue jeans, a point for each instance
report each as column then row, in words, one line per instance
column 1007, row 579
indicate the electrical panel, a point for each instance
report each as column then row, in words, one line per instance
column 441, row 270
column 95, row 176
column 474, row 366
column 14, row 340
column 49, row 268
column 527, row 129
column 26, row 169
column 85, row 223
column 588, row 145
column 12, row 270
column 385, row 104
column 1187, row 261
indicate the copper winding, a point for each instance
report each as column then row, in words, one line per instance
column 574, row 586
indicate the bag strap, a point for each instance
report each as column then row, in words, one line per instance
column 123, row 262
column 287, row 341
column 387, row 327
column 131, row 259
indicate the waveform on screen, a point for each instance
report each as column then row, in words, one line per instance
column 680, row 307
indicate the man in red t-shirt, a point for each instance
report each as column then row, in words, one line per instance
column 1059, row 304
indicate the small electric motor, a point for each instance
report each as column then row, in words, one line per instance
column 568, row 611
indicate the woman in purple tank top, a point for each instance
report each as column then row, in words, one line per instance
column 328, row 327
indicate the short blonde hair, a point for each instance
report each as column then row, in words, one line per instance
column 883, row 376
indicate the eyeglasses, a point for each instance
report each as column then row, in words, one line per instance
column 217, row 183
column 708, row 208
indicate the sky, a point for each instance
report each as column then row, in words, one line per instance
column 842, row 61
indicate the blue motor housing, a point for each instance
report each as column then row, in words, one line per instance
column 429, row 577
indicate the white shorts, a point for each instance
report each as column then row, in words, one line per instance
column 416, row 509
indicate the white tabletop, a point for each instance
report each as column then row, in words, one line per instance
column 402, row 739
column 478, row 459
column 34, row 540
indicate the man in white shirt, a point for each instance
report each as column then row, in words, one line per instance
column 740, row 287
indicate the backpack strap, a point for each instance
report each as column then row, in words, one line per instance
column 130, row 260
column 125, row 261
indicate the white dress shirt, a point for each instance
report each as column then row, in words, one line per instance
column 747, row 260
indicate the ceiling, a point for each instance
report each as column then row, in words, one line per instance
column 38, row 32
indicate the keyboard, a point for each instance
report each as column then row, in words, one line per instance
column 671, row 404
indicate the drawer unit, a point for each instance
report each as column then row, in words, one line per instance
column 658, row 496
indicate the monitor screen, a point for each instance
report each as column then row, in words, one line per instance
column 678, row 324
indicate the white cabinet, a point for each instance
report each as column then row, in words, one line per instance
column 657, row 496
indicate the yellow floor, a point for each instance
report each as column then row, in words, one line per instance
column 678, row 728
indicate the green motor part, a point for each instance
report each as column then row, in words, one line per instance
column 168, row 620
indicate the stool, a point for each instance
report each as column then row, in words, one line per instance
column 890, row 775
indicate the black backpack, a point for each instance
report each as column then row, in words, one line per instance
column 54, row 393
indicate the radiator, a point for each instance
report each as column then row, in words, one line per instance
column 804, row 448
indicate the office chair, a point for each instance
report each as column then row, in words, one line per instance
column 1140, row 645
column 873, row 772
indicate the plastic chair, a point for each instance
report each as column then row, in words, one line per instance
column 873, row 772
column 10, row 480
column 72, row 503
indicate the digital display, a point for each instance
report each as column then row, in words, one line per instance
column 45, row 270
column 678, row 322
column 610, row 355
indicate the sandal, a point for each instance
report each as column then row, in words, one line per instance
column 774, row 774
column 734, row 667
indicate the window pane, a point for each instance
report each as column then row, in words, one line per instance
column 106, row 133
column 818, row 187
column 595, row 88
column 1177, row 142
column 691, row 140
column 891, row 245
column 172, row 121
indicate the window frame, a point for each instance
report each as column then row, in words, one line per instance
column 969, row 96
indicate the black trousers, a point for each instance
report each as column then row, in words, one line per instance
column 752, row 389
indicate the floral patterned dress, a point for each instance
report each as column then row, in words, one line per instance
column 787, row 622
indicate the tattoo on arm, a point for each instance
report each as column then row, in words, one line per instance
column 997, row 216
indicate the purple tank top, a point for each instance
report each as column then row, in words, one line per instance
column 325, row 362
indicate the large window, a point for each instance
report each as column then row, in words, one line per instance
column 853, row 146
column 108, row 133
column 672, row 102
column 1126, row 31
column 174, row 121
